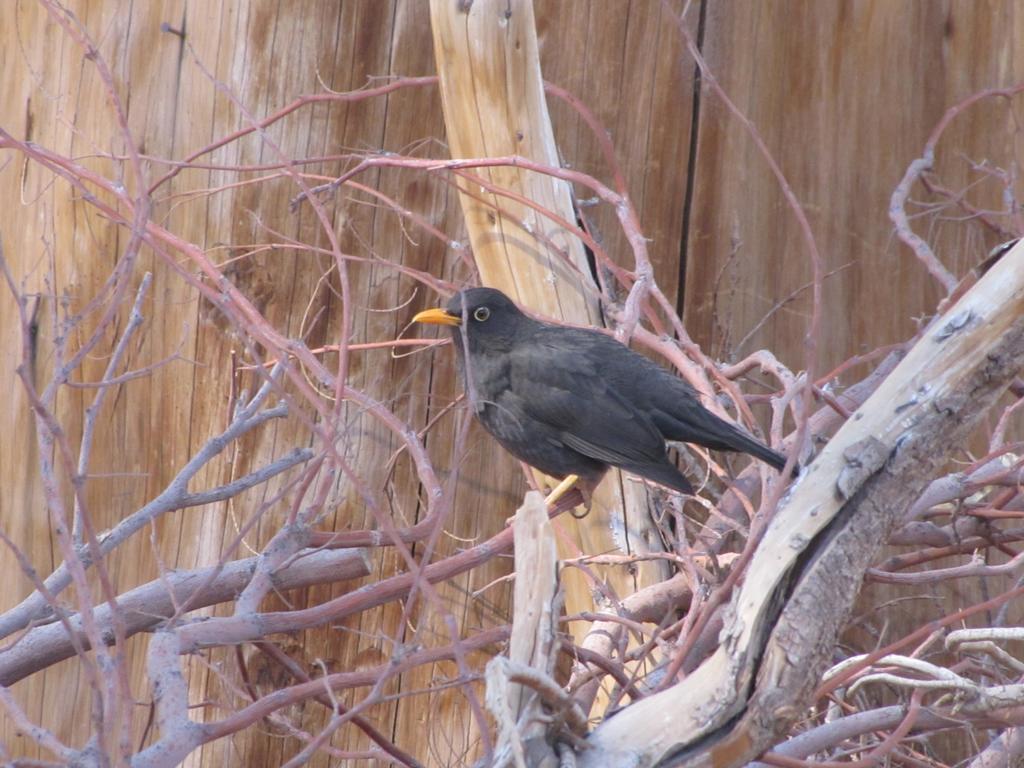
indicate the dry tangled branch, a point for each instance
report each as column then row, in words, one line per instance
column 201, row 651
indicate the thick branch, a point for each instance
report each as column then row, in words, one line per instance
column 146, row 606
column 803, row 579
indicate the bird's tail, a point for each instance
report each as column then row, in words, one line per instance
column 704, row 428
column 740, row 441
column 664, row 473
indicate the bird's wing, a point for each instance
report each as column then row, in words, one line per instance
column 673, row 407
column 564, row 390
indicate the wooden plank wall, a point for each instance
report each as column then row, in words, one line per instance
column 844, row 94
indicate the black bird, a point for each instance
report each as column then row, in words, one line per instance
column 570, row 401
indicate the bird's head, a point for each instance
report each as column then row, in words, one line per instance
column 485, row 317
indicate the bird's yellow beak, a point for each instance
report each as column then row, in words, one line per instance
column 437, row 316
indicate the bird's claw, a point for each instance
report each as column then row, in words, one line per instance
column 561, row 489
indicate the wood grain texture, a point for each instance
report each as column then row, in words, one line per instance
column 265, row 54
column 876, row 464
column 493, row 95
column 845, row 95
column 627, row 63
column 494, row 104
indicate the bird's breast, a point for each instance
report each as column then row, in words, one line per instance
column 487, row 378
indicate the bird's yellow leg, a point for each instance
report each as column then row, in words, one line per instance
column 561, row 489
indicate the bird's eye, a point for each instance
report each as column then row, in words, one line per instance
column 481, row 313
